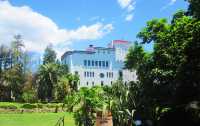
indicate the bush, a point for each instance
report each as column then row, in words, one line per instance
column 8, row 107
column 52, row 105
column 40, row 105
column 29, row 96
column 29, row 106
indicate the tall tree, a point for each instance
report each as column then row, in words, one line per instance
column 169, row 75
column 194, row 8
column 49, row 55
column 47, row 79
column 12, row 65
column 17, row 47
column 14, row 80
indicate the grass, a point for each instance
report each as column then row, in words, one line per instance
column 20, row 105
column 35, row 119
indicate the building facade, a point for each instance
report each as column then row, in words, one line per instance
column 100, row 65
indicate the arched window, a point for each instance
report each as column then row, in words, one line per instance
column 101, row 75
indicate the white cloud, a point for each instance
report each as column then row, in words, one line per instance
column 38, row 30
column 129, row 17
column 124, row 3
column 171, row 2
column 129, row 6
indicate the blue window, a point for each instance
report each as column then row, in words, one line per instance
column 85, row 62
column 99, row 63
column 92, row 63
column 101, row 75
column 103, row 63
column 110, row 74
column 93, row 74
column 106, row 63
column 88, row 62
column 85, row 74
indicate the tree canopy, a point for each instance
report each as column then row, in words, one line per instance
column 169, row 76
column 49, row 55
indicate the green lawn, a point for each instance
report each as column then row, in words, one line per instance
column 19, row 105
column 35, row 119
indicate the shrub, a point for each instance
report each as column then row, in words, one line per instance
column 29, row 96
column 8, row 107
column 40, row 105
column 51, row 105
column 29, row 106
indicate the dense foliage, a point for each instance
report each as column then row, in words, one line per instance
column 51, row 82
column 12, row 70
column 169, row 76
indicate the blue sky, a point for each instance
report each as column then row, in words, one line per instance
column 74, row 24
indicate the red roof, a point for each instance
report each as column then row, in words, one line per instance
column 120, row 41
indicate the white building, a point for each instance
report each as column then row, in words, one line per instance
column 100, row 65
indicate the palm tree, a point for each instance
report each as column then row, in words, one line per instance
column 63, row 88
column 47, row 80
column 85, row 103
column 73, row 81
column 124, row 107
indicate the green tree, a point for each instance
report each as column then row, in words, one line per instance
column 194, row 8
column 73, row 81
column 51, row 79
column 49, row 55
column 16, row 47
column 29, row 88
column 12, row 75
column 124, row 103
column 85, row 103
column 63, row 88
column 47, row 80
column 168, row 76
column 14, row 79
